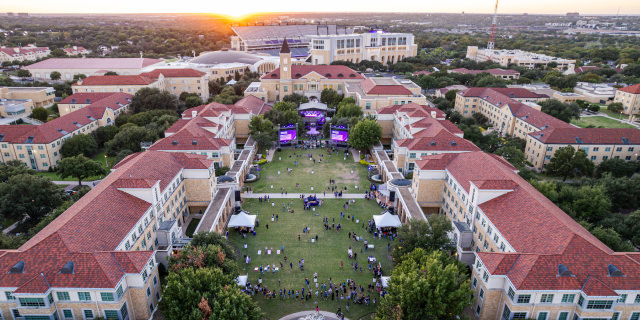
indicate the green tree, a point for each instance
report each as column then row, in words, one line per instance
column 631, row 229
column 365, row 134
column 430, row 236
column 129, row 138
column 263, row 132
column 39, row 113
column 55, row 75
column 330, row 97
column 27, row 194
column 612, row 239
column 567, row 162
column 153, row 99
column 285, row 106
column 104, row 134
column 617, row 167
column 562, row 111
column 79, row 167
column 350, row 110
column 84, row 144
column 426, row 286
column 295, row 98
column 512, row 154
column 23, row 73
column 192, row 101
column 451, row 95
column 110, row 73
column 227, row 96
column 58, row 53
column 13, row 168
column 206, row 293
column 616, row 107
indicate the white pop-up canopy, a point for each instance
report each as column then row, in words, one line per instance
column 242, row 280
column 242, row 219
column 387, row 220
column 385, row 281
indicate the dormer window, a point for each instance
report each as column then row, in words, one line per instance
column 17, row 268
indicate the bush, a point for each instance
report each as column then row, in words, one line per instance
column 261, row 161
column 366, row 163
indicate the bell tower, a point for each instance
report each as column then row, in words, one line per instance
column 285, row 61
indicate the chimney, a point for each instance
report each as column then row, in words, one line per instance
column 194, row 114
column 433, row 114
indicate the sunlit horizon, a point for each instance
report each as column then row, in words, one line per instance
column 235, row 10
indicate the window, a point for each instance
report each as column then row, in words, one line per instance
column 10, row 297
column 88, row 314
column 106, row 296
column 616, row 316
column 506, row 313
column 511, row 293
column 543, row 315
column 563, row 316
column 524, row 298
column 119, row 292
column 63, row 296
column 111, row 314
column 581, row 301
column 67, row 313
column 599, row 304
column 485, row 277
column 31, row 302
column 84, row 296
column 623, row 298
column 635, row 316
column 481, row 293
column 546, row 298
column 124, row 311
column 475, row 282
column 568, row 298
column 637, row 300
column 519, row 315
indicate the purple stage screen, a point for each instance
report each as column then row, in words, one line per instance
column 339, row 135
column 312, row 114
column 287, row 135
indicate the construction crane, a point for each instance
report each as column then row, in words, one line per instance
column 490, row 45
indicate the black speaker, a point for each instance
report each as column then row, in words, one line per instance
column 392, row 196
column 238, row 198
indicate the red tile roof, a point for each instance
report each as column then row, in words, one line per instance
column 173, row 73
column 413, row 109
column 93, row 63
column 539, row 119
column 86, row 97
column 327, row 71
column 495, row 72
column 119, row 80
column 370, row 87
column 192, row 136
column 635, row 89
column 250, row 104
column 578, row 136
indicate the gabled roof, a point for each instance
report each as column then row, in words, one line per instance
column 93, row 63
column 116, row 80
column 369, row 86
column 578, row 136
column 634, row 89
column 173, row 73
column 327, row 71
column 413, row 110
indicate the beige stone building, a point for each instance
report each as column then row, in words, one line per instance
column 498, row 73
column 372, row 94
column 117, row 83
column 225, row 64
column 27, row 53
column 38, row 146
column 68, row 67
column 307, row 80
column 630, row 99
column 599, row 143
column 76, row 51
column 177, row 81
column 39, row 96
column 80, row 100
column 386, row 48
column 15, row 108
column 520, row 58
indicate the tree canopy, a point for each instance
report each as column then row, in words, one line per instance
column 84, row 144
column 28, row 194
column 560, row 110
column 79, row 167
column 567, row 162
column 153, row 99
column 365, row 134
column 430, row 236
column 40, row 113
column 262, row 131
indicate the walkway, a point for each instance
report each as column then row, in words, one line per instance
column 355, row 154
column 270, row 154
column 72, row 184
column 320, row 195
column 302, row 314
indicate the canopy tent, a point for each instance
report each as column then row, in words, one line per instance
column 242, row 219
column 383, row 189
column 242, row 280
column 385, row 281
column 387, row 220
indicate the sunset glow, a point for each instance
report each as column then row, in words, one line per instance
column 241, row 8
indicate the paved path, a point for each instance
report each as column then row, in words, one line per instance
column 297, row 195
column 302, row 314
column 355, row 154
column 71, row 184
column 270, row 154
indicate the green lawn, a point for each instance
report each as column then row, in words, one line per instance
column 99, row 157
column 613, row 114
column 599, row 121
column 322, row 257
column 192, row 227
column 337, row 168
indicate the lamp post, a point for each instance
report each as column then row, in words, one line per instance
column 106, row 165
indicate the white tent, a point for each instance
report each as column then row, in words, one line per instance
column 242, row 280
column 387, row 220
column 385, row 281
column 242, row 219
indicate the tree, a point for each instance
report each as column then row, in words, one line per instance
column 330, row 97
column 104, row 134
column 562, row 111
column 23, row 73
column 58, row 53
column 402, row 67
column 512, row 154
column 350, row 110
column 27, row 194
column 210, row 255
column 617, row 167
column 295, row 98
column 13, row 168
column 84, row 144
column 189, row 292
column 567, row 162
column 129, row 138
column 616, row 107
column 262, row 131
column 451, row 95
column 227, row 96
column 430, row 236
column 79, row 167
column 110, row 73
column 39, row 113
column 365, row 134
column 153, row 98
column 631, row 228
column 429, row 286
column 612, row 239
column 55, row 75
column 192, row 101
column 285, row 106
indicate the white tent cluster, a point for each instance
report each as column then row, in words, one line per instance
column 242, row 219
column 387, row 220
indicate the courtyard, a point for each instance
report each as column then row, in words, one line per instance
column 296, row 230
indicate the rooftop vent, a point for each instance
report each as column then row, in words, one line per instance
column 68, row 268
column 511, row 95
column 298, row 75
column 73, row 100
column 453, row 143
column 328, row 75
column 578, row 140
column 17, row 268
column 29, row 139
column 88, row 101
column 625, row 140
column 614, row 271
column 273, row 75
column 353, row 75
column 563, row 271
column 174, row 142
column 340, row 75
column 433, row 143
column 194, row 142
column 1, row 136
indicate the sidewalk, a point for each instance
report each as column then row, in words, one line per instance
column 302, row 314
column 270, row 154
column 320, row 195
column 71, row 184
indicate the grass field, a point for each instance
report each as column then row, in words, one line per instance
column 599, row 121
column 322, row 257
column 99, row 157
column 336, row 168
column 192, row 227
column 613, row 114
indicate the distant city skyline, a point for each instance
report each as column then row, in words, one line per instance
column 625, row 7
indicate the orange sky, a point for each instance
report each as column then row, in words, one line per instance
column 237, row 8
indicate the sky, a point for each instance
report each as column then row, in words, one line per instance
column 243, row 7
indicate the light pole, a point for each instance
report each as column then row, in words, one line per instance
column 105, row 162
